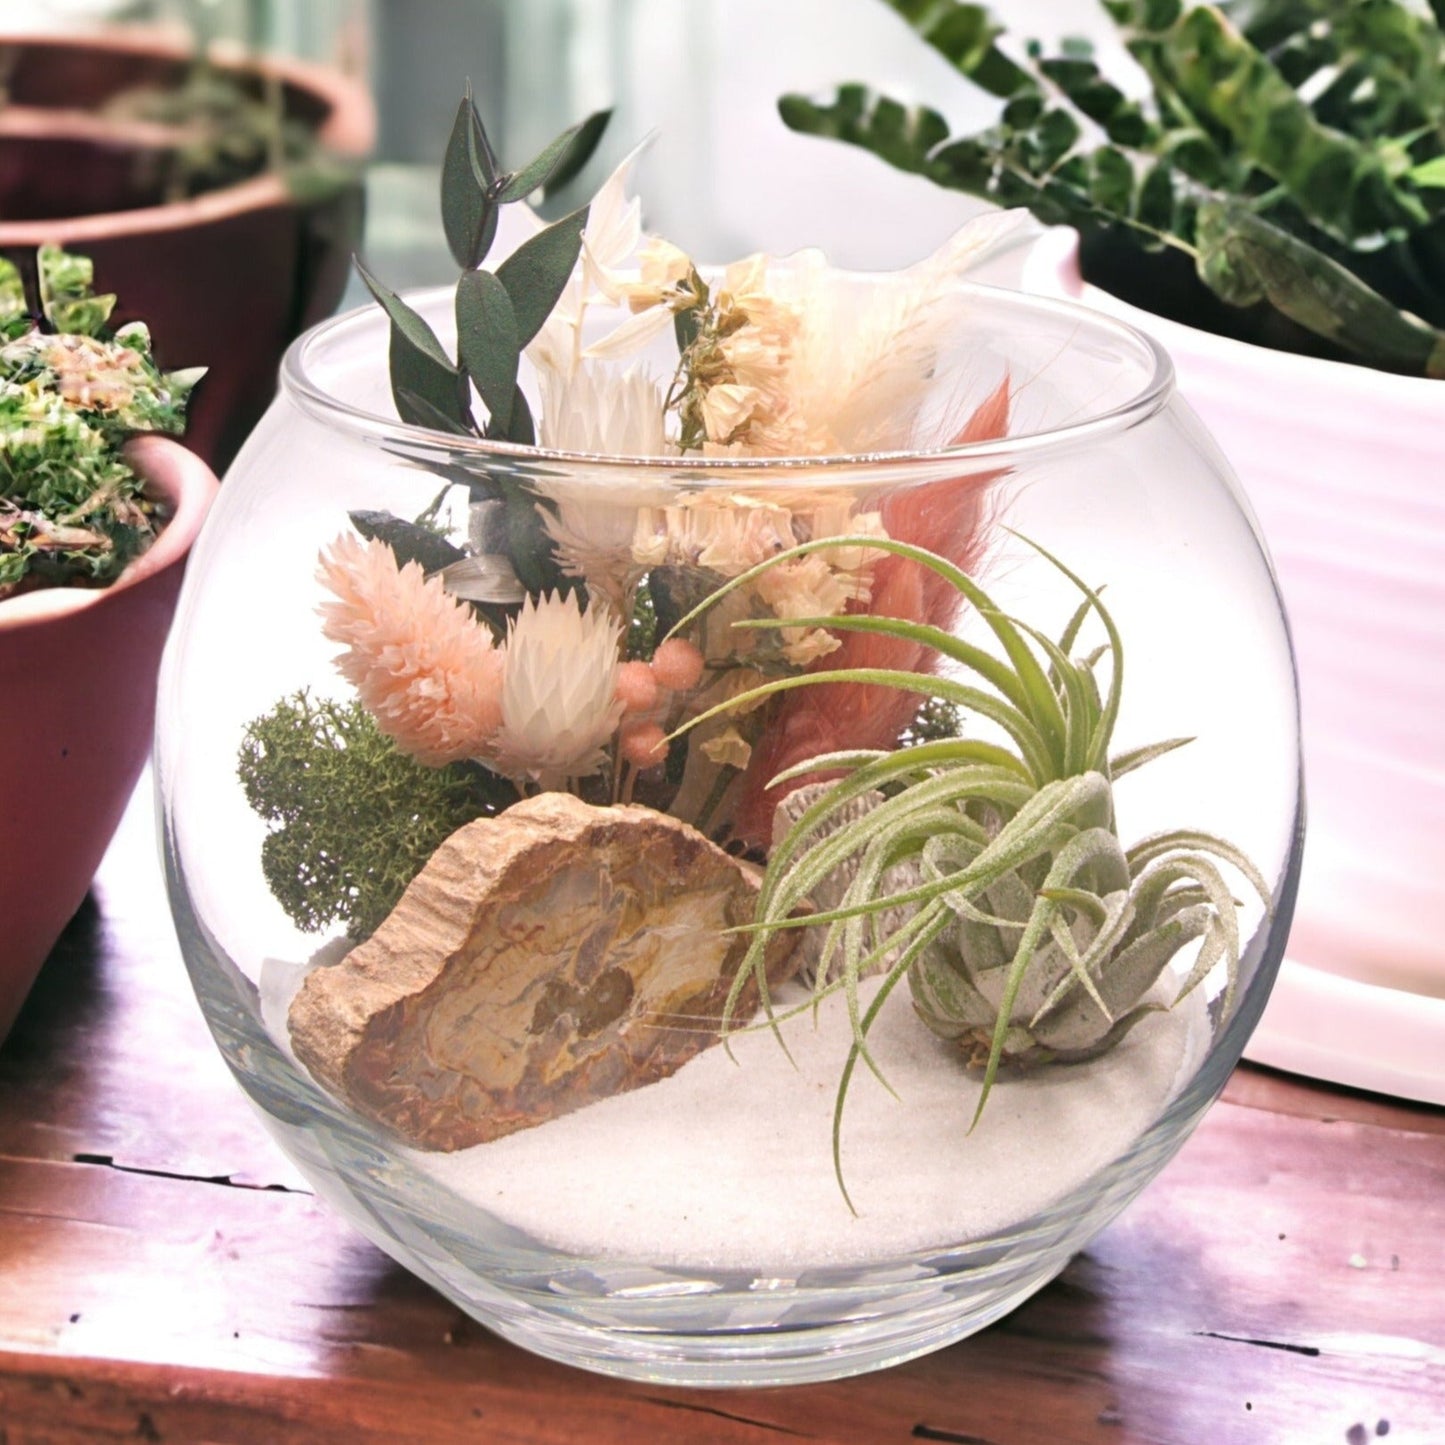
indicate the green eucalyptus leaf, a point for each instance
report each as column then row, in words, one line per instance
column 420, row 368
column 523, row 429
column 558, row 162
column 409, row 541
column 469, row 217
column 488, row 344
column 537, row 272
column 418, row 411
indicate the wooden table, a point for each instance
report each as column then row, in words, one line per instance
column 165, row 1276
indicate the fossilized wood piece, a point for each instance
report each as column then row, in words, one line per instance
column 829, row 893
column 542, row 960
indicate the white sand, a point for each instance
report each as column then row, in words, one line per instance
column 729, row 1164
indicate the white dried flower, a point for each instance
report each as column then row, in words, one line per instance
column 609, row 240
column 601, row 411
column 559, row 691
column 591, row 519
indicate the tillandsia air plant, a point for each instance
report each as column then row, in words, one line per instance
column 515, row 634
column 1292, row 150
column 72, row 511
column 990, row 875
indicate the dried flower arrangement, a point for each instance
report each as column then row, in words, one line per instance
column 72, row 511
column 581, row 714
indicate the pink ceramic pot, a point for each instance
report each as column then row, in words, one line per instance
column 1346, row 468
column 77, row 703
column 225, row 279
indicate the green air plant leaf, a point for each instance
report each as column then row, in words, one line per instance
column 1029, row 934
column 1320, row 120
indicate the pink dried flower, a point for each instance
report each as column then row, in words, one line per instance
column 425, row 669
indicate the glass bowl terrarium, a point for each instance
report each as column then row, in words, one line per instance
column 657, row 813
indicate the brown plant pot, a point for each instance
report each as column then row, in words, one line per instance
column 226, row 279
column 77, row 704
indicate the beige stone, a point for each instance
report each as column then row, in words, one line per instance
column 542, row 960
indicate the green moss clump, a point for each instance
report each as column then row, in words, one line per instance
column 355, row 818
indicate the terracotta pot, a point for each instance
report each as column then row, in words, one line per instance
column 225, row 279
column 1343, row 465
column 78, row 681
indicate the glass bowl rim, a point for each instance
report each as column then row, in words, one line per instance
column 303, row 391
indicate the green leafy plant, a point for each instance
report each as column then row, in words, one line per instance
column 304, row 764
column 498, row 312
column 221, row 123
column 1032, row 934
column 72, row 512
column 1292, row 150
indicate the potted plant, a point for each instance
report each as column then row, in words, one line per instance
column 1266, row 196
column 652, row 664
column 222, row 197
column 98, row 509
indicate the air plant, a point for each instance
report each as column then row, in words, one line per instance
column 1292, row 150
column 1031, row 933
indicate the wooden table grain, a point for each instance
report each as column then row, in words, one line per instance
column 166, row 1276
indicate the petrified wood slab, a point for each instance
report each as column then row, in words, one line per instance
column 542, row 960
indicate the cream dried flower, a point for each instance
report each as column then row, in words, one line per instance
column 837, row 516
column 559, row 691
column 727, row 409
column 840, row 366
column 806, row 587
column 726, row 533
column 662, row 268
column 728, row 749
column 422, row 665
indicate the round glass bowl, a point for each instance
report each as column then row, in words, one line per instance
column 693, row 1229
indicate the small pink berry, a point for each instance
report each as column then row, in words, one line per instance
column 644, row 745
column 636, row 687
column 677, row 665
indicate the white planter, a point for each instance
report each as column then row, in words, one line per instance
column 1346, row 469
